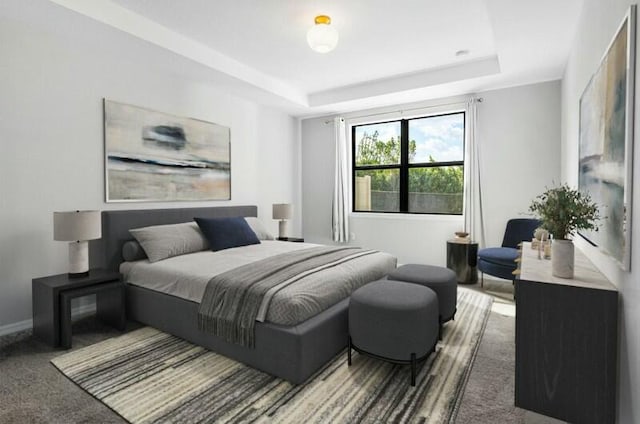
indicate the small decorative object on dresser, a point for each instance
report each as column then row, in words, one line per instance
column 283, row 212
column 541, row 243
column 77, row 227
column 52, row 297
column 564, row 210
column 540, row 237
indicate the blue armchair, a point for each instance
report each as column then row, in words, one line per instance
column 499, row 261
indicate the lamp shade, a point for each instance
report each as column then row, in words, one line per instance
column 322, row 37
column 282, row 211
column 77, row 225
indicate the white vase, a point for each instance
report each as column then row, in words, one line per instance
column 562, row 257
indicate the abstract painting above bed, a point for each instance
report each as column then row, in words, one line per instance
column 154, row 156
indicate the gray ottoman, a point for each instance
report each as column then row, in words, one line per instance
column 394, row 321
column 441, row 280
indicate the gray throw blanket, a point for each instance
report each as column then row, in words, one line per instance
column 232, row 299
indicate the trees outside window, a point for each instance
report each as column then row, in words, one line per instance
column 409, row 165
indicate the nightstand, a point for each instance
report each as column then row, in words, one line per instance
column 51, row 297
column 293, row 239
column 462, row 258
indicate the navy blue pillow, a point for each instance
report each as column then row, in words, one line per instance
column 225, row 233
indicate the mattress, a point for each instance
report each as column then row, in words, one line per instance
column 186, row 276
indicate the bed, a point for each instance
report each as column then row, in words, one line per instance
column 289, row 351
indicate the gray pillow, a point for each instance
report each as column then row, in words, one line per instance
column 258, row 228
column 132, row 251
column 165, row 241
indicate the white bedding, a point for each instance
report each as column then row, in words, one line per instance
column 186, row 276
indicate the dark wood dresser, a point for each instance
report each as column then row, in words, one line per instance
column 566, row 341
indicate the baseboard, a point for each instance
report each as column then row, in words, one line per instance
column 15, row 327
column 77, row 312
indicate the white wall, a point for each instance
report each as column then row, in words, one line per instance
column 519, row 136
column 55, row 69
column 519, row 132
column 598, row 24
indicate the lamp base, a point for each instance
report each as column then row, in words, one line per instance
column 283, row 228
column 78, row 274
column 78, row 258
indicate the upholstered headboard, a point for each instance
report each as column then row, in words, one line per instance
column 107, row 252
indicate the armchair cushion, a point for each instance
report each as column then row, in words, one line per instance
column 499, row 255
column 500, row 271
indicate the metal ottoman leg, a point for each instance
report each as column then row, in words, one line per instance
column 413, row 369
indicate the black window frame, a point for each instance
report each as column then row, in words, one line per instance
column 404, row 166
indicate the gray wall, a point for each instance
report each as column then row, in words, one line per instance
column 599, row 22
column 519, row 136
column 55, row 69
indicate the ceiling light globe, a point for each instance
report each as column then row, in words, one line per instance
column 322, row 37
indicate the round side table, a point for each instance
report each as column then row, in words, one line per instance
column 462, row 258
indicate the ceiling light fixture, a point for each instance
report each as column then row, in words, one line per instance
column 322, row 37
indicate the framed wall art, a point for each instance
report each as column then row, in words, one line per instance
column 154, row 156
column 606, row 143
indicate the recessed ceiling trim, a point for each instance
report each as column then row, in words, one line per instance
column 118, row 17
column 431, row 77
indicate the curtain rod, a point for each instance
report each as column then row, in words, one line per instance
column 478, row 99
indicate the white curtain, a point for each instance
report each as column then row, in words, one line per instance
column 473, row 213
column 341, row 184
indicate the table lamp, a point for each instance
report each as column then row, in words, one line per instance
column 283, row 211
column 77, row 227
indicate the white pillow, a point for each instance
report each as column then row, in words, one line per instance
column 165, row 241
column 258, row 228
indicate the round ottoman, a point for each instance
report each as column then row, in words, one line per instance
column 441, row 280
column 394, row 321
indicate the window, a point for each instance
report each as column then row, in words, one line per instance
column 410, row 165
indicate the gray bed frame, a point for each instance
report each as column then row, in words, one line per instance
column 292, row 353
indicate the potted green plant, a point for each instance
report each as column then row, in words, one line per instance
column 563, row 211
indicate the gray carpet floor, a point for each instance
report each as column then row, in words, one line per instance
column 33, row 391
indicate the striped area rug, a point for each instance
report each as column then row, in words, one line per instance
column 147, row 376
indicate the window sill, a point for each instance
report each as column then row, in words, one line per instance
column 406, row 216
